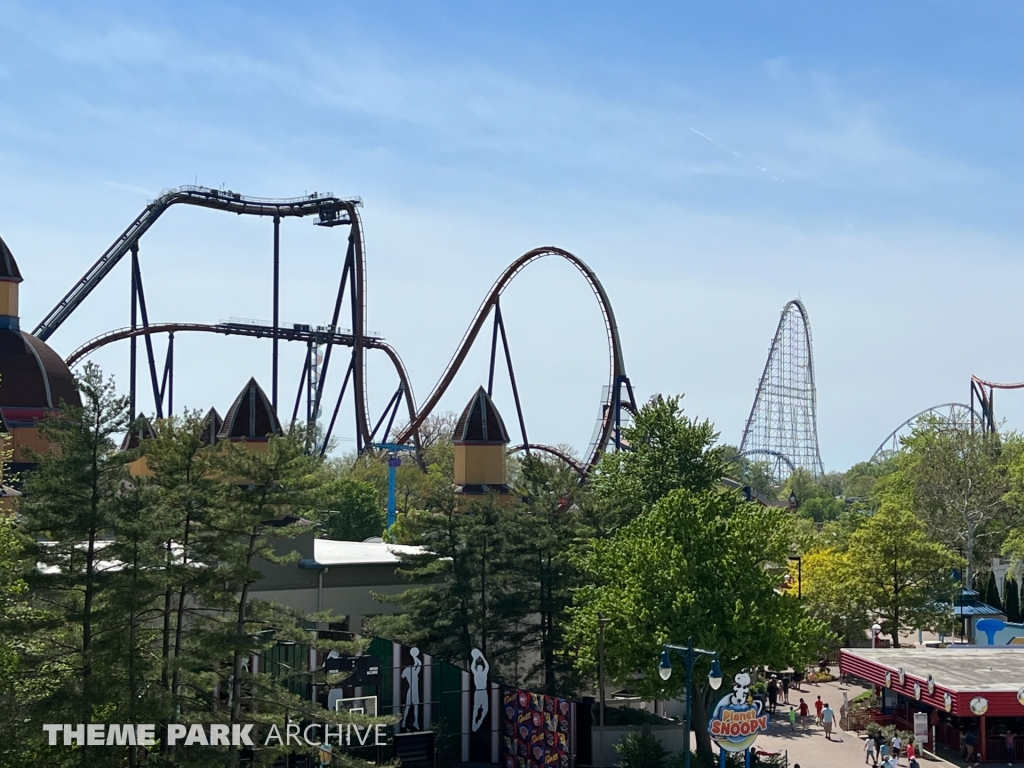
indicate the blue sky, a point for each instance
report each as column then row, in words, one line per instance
column 709, row 163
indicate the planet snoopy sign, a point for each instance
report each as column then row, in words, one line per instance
column 736, row 721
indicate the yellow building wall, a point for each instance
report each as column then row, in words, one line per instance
column 479, row 464
column 8, row 299
column 27, row 437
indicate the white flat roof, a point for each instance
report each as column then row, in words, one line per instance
column 330, row 552
column 970, row 668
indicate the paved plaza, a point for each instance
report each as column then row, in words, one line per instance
column 806, row 744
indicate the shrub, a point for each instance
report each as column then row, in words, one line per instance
column 640, row 751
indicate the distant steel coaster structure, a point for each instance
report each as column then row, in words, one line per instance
column 331, row 212
column 783, row 424
column 983, row 393
column 951, row 415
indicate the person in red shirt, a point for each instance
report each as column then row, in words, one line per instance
column 818, row 706
column 803, row 708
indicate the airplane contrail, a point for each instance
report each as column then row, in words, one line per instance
column 735, row 153
column 705, row 136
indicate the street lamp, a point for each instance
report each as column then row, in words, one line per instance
column 876, row 630
column 690, row 656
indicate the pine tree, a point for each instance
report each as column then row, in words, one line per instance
column 69, row 508
column 548, row 573
column 1012, row 600
column 467, row 591
column 991, row 594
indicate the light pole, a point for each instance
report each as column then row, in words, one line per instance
column 690, row 656
column 601, row 622
column 876, row 630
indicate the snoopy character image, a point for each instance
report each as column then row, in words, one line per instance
column 740, row 688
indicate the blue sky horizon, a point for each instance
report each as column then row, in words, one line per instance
column 709, row 163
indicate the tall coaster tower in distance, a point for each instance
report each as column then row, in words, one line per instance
column 782, row 428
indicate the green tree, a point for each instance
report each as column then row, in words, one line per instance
column 901, row 574
column 640, row 751
column 828, row 596
column 667, row 450
column 704, row 564
column 349, row 509
column 466, row 591
column 547, row 572
column 70, row 506
column 991, row 593
column 1012, row 600
column 958, row 480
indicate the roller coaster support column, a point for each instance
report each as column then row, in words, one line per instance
column 394, row 462
column 620, row 382
column 277, row 296
column 134, row 345
column 499, row 326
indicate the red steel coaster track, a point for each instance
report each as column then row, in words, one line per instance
column 333, row 211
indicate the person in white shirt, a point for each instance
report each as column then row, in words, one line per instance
column 869, row 751
column 896, row 744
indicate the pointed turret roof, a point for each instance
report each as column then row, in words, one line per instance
column 142, row 429
column 480, row 422
column 8, row 266
column 212, row 424
column 251, row 416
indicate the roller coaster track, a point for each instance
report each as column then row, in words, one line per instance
column 333, row 211
column 252, row 330
column 954, row 414
column 557, row 453
column 984, row 392
column 617, row 366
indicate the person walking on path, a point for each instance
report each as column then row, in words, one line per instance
column 818, row 705
column 773, row 695
column 827, row 717
column 869, row 751
column 879, row 740
column 803, row 710
column 911, row 752
column 785, row 688
column 792, row 718
column 897, row 744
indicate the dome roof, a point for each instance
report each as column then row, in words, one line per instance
column 480, row 422
column 31, row 374
column 8, row 266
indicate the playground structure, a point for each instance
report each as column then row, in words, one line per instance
column 331, row 211
column 782, row 428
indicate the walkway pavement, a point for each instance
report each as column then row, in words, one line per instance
column 806, row 743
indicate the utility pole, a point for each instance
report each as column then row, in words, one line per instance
column 601, row 622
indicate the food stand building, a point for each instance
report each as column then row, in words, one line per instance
column 974, row 693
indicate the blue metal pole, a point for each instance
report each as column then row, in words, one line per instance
column 393, row 463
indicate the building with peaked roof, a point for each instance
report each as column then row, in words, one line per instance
column 480, row 443
column 251, row 417
column 212, row 424
column 34, row 380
